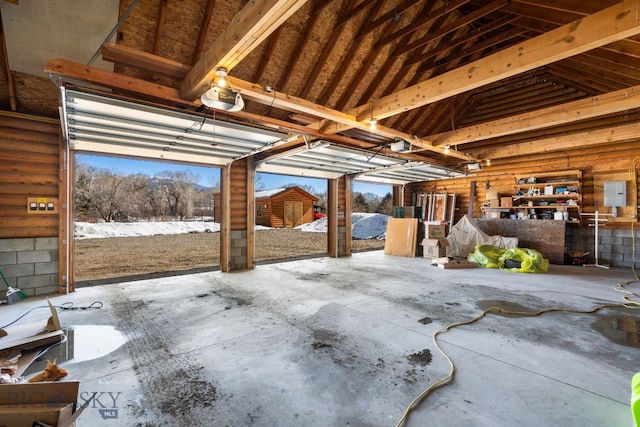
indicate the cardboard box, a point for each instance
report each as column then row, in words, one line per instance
column 492, row 194
column 492, row 203
column 506, row 202
column 435, row 231
column 52, row 403
column 434, row 248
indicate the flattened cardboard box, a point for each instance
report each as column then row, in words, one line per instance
column 52, row 403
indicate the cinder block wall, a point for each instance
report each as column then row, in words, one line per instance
column 30, row 264
column 239, row 260
column 615, row 246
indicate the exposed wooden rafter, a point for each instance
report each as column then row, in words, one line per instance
column 250, row 27
column 614, row 23
column 614, row 102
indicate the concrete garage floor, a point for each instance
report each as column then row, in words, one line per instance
column 348, row 342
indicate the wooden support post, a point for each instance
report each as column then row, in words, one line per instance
column 472, row 198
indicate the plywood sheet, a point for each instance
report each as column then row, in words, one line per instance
column 402, row 236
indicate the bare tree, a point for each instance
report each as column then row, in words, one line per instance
column 177, row 189
column 101, row 193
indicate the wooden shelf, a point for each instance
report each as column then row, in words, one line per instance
column 549, row 196
column 567, row 179
column 556, row 207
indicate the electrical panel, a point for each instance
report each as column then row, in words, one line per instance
column 615, row 193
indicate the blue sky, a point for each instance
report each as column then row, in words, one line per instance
column 210, row 176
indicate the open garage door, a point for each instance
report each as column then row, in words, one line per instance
column 108, row 126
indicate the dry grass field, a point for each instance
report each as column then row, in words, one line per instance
column 101, row 260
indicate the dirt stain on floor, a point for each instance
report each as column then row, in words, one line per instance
column 623, row 330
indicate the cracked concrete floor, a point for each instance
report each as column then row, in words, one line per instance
column 348, row 342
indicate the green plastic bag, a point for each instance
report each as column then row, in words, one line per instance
column 523, row 260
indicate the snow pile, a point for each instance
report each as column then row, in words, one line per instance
column 364, row 226
column 88, row 230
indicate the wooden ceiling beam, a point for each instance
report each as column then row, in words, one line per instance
column 363, row 66
column 86, row 73
column 581, row 7
column 470, row 37
column 602, row 72
column 423, row 20
column 322, row 59
column 389, row 61
column 160, row 27
column 459, row 23
column 299, row 105
column 119, row 53
column 475, row 48
column 98, row 76
column 583, row 109
column 611, row 24
column 554, row 98
column 250, row 27
column 565, row 76
column 564, row 142
column 204, row 29
column 392, row 14
column 303, row 39
column 270, row 48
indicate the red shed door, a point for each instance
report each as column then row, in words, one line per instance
column 292, row 214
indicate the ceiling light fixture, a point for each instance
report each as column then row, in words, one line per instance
column 221, row 72
column 222, row 99
column 446, row 149
column 373, row 123
column 488, row 162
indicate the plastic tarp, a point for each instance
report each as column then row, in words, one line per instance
column 522, row 260
column 465, row 235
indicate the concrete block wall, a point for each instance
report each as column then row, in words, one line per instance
column 30, row 264
column 238, row 254
column 615, row 246
column 342, row 241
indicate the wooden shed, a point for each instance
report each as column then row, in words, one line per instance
column 280, row 207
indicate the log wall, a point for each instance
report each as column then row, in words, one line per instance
column 598, row 164
column 29, row 165
column 29, row 168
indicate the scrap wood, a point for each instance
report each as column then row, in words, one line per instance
column 454, row 263
column 21, row 341
column 9, row 361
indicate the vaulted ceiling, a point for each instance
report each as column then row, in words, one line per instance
column 460, row 80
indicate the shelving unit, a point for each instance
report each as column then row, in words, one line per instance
column 543, row 195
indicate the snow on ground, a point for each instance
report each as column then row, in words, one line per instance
column 364, row 226
column 88, row 230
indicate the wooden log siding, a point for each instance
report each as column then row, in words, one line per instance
column 594, row 162
column 29, row 164
column 238, row 195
